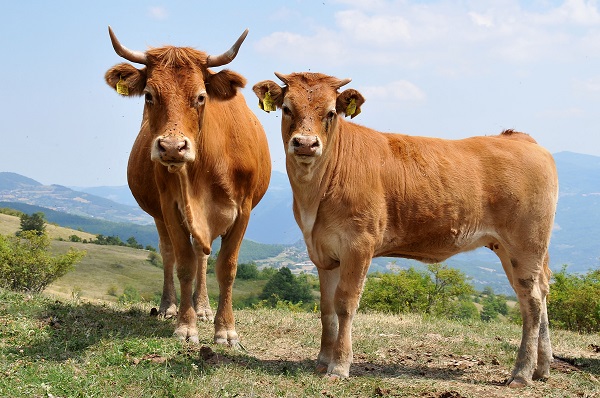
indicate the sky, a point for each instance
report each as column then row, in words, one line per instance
column 449, row 69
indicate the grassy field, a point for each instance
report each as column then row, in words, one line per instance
column 107, row 269
column 68, row 348
column 75, row 340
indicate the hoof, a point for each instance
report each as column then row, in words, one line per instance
column 205, row 315
column 516, row 382
column 321, row 368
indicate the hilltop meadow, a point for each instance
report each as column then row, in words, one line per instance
column 76, row 339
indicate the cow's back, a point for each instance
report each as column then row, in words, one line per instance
column 424, row 195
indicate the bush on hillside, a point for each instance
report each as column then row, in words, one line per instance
column 442, row 291
column 26, row 265
column 35, row 222
column 285, row 287
column 574, row 301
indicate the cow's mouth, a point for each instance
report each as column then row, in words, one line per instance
column 174, row 167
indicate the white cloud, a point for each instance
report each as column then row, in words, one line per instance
column 377, row 29
column 481, row 20
column 396, row 91
column 158, row 13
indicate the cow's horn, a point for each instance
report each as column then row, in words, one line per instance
column 343, row 82
column 134, row 56
column 282, row 77
column 228, row 55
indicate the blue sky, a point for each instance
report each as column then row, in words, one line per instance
column 448, row 69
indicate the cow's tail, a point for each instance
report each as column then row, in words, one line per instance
column 516, row 135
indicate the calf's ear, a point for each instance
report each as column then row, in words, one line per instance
column 349, row 102
column 224, row 84
column 270, row 95
column 126, row 80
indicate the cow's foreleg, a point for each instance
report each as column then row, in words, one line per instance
column 168, row 300
column 531, row 302
column 201, row 301
column 353, row 271
column 226, row 269
column 328, row 282
column 186, row 328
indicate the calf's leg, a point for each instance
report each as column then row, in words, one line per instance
column 347, row 294
column 526, row 279
column 328, row 281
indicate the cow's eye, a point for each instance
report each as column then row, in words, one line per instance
column 200, row 100
column 148, row 98
column 286, row 110
column 331, row 114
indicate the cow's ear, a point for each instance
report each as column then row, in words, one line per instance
column 270, row 95
column 125, row 79
column 349, row 102
column 224, row 84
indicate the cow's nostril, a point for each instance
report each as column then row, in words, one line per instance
column 315, row 144
column 296, row 142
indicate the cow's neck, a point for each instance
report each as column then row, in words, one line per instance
column 196, row 227
column 309, row 185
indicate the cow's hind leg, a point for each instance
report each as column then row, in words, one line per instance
column 201, row 301
column 328, row 281
column 529, row 280
column 545, row 358
column 168, row 300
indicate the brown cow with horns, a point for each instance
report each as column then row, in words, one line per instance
column 199, row 165
column 359, row 193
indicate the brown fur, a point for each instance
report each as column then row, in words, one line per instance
column 365, row 194
column 199, row 165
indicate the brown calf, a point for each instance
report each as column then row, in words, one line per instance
column 359, row 194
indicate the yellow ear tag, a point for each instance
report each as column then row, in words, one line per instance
column 122, row 87
column 351, row 108
column 267, row 103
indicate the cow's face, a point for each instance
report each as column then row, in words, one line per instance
column 177, row 86
column 310, row 105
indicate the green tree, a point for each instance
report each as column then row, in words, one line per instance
column 492, row 305
column 284, row 286
column 26, row 264
column 35, row 222
column 574, row 301
column 247, row 271
column 132, row 242
column 439, row 292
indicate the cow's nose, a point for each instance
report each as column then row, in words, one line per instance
column 173, row 148
column 306, row 144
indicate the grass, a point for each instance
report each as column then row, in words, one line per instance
column 69, row 348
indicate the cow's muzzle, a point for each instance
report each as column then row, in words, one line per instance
column 305, row 145
column 173, row 151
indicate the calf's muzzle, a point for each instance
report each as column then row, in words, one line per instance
column 305, row 145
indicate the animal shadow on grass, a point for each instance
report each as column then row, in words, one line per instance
column 75, row 327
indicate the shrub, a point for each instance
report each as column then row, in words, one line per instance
column 26, row 265
column 284, row 286
column 130, row 295
column 574, row 301
column 247, row 271
column 35, row 222
column 440, row 292
column 155, row 259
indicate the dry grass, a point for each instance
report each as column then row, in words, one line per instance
column 100, row 349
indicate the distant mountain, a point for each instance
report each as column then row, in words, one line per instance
column 19, row 189
column 574, row 241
